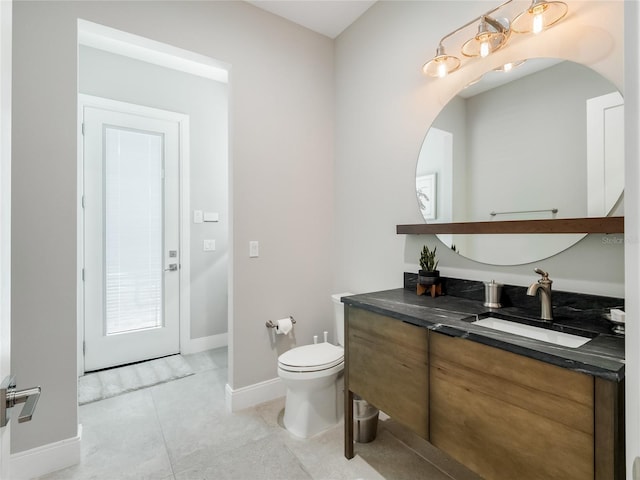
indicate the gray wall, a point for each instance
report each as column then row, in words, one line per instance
column 383, row 114
column 532, row 130
column 107, row 75
column 281, row 184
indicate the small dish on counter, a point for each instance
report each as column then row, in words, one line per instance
column 617, row 317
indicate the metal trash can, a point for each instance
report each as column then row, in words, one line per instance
column 365, row 420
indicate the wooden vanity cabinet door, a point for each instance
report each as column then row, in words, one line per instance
column 508, row 417
column 388, row 366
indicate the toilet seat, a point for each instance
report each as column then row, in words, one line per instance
column 311, row 358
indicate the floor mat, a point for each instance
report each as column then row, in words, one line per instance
column 116, row 381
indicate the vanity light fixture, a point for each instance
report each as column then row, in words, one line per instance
column 491, row 36
column 539, row 16
column 442, row 64
column 494, row 34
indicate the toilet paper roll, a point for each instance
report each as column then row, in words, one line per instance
column 284, row 326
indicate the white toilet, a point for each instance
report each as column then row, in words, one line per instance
column 314, row 385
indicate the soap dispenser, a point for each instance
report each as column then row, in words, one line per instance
column 492, row 292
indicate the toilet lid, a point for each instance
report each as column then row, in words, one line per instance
column 319, row 356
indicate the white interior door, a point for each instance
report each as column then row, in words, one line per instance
column 131, row 244
column 5, row 216
column 605, row 153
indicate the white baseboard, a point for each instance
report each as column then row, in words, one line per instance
column 196, row 345
column 253, row 395
column 46, row 459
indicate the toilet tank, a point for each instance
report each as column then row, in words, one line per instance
column 338, row 314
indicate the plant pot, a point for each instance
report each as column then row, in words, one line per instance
column 428, row 277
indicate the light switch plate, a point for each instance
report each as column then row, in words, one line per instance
column 211, row 216
column 197, row 216
column 208, row 245
column 254, row 249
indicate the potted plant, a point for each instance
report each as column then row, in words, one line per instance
column 429, row 272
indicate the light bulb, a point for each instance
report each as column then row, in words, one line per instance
column 484, row 48
column 538, row 19
column 507, row 67
column 538, row 23
column 442, row 70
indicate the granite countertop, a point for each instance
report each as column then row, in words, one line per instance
column 603, row 356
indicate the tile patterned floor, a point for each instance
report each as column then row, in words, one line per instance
column 181, row 431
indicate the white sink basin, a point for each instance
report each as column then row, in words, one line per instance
column 537, row 333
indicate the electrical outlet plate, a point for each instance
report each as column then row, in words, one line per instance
column 254, row 249
column 208, row 245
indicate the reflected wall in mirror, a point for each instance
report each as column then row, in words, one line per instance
column 544, row 140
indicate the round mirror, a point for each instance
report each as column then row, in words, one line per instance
column 543, row 140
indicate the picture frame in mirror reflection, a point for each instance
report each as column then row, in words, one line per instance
column 426, row 187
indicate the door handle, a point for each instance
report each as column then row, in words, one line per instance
column 172, row 267
column 9, row 397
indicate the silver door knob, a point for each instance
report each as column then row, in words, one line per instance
column 172, row 267
column 9, row 397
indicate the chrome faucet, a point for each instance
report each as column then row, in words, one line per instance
column 544, row 285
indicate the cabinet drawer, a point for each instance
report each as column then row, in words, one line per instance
column 506, row 416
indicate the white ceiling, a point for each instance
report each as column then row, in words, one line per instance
column 328, row 17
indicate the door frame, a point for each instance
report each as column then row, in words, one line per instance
column 184, row 209
column 6, row 8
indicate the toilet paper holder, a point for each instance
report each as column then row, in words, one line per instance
column 270, row 324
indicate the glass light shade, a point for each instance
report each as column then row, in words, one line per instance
column 441, row 65
column 539, row 16
column 483, row 44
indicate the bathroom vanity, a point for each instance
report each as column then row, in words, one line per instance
column 504, row 405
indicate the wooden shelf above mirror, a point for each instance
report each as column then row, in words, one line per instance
column 559, row 225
